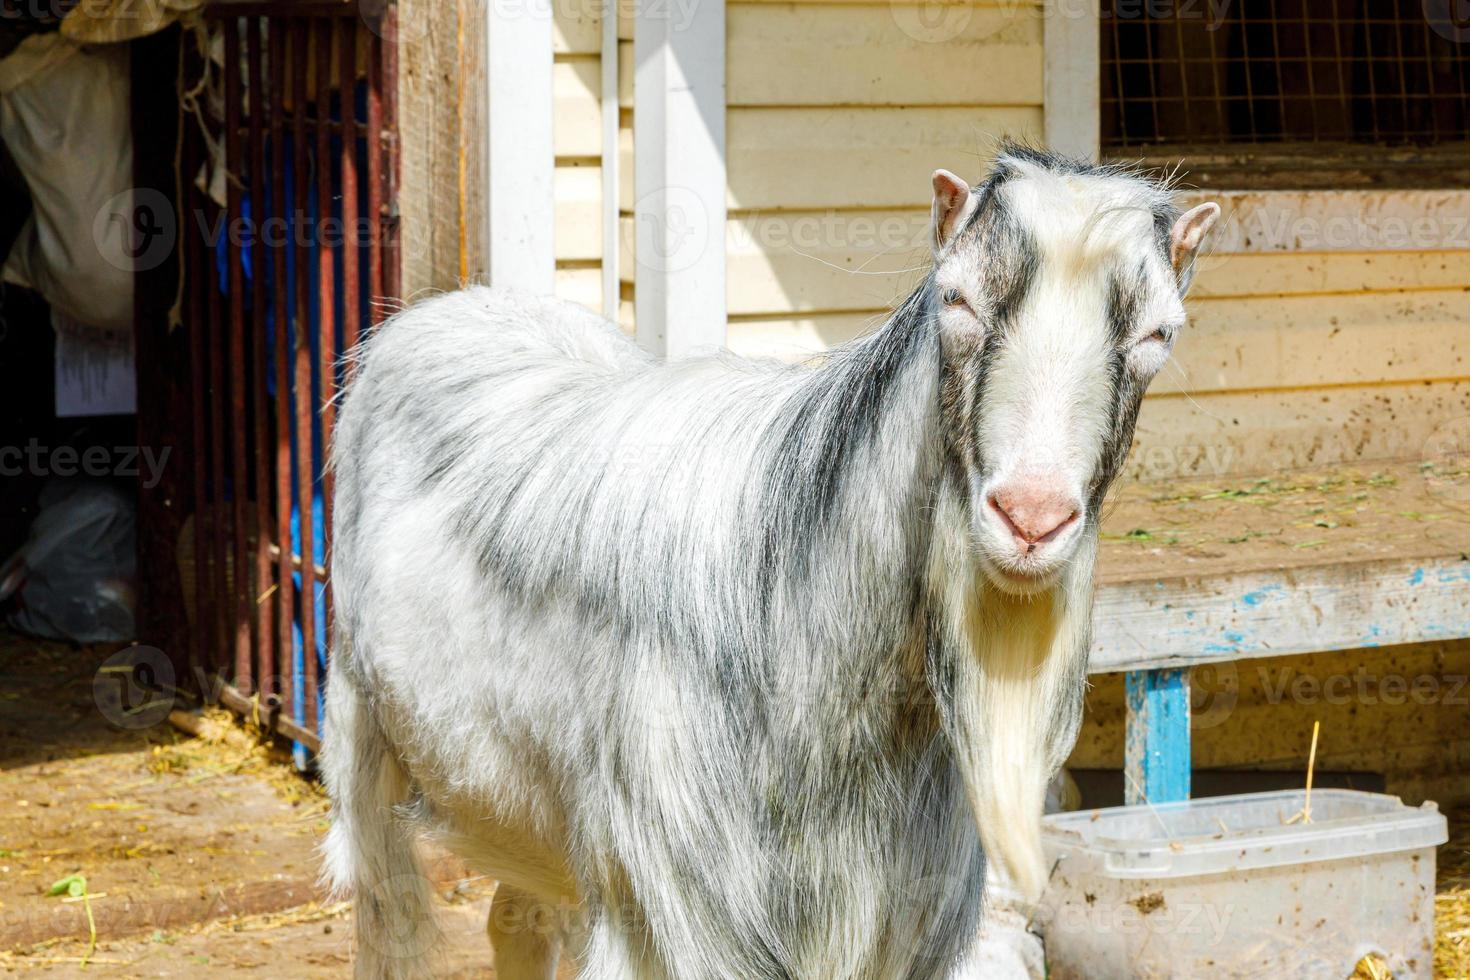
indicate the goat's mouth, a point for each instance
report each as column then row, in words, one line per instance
column 1022, row 576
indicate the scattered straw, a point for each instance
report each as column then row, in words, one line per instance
column 226, row 745
column 1452, row 903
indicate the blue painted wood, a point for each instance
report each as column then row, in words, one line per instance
column 1156, row 759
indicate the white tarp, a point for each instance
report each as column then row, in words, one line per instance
column 64, row 116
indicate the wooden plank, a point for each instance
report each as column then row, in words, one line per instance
column 1240, row 275
column 577, row 88
column 578, row 213
column 580, row 284
column 1304, row 341
column 429, row 146
column 520, row 169
column 625, row 74
column 799, row 337
column 867, row 158
column 680, row 179
column 1264, row 432
column 1210, row 617
column 1275, row 222
column 1156, row 760
column 882, row 55
column 1073, row 53
column 830, row 261
column 1374, row 511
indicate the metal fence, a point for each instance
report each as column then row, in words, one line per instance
column 289, row 239
column 1391, row 72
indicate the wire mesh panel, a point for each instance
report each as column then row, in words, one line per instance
column 291, row 238
column 1257, row 72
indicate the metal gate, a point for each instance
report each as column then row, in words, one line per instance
column 289, row 242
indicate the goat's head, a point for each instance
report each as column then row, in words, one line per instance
column 1059, row 292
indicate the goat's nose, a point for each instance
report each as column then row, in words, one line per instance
column 1035, row 512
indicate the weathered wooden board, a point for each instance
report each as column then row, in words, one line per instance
column 881, row 55
column 1303, row 341
column 1336, row 558
column 1195, row 620
column 1223, row 274
column 429, row 69
column 871, row 158
column 577, row 90
column 1265, row 432
column 1280, row 222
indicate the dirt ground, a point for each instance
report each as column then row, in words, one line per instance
column 198, row 852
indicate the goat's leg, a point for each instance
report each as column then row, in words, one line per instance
column 524, row 934
column 1003, row 948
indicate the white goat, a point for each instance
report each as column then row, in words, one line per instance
column 731, row 670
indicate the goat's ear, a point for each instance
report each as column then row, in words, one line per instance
column 1189, row 231
column 953, row 204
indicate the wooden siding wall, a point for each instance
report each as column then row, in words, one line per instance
column 577, row 87
column 838, row 113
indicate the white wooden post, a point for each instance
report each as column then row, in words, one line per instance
column 1071, row 39
column 679, row 175
column 520, row 161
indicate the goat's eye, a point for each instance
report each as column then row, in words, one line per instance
column 1159, row 336
column 953, row 297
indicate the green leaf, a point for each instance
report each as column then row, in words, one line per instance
column 73, row 886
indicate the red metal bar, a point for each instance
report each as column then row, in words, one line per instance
column 351, row 240
column 326, row 303
column 215, row 314
column 377, row 218
column 285, row 586
column 194, row 270
column 239, row 496
column 301, row 60
column 260, row 593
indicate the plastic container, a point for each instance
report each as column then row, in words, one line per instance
column 1233, row 886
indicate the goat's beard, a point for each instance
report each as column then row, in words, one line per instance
column 1019, row 668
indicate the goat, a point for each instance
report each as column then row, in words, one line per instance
column 730, row 670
